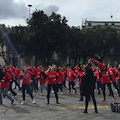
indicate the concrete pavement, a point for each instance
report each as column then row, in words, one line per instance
column 70, row 108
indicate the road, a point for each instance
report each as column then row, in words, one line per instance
column 70, row 108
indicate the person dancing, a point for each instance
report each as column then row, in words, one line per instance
column 5, row 84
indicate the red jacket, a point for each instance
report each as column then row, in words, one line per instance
column 17, row 72
column 99, row 63
column 105, row 78
column 97, row 75
column 118, row 77
column 60, row 77
column 6, row 83
column 10, row 73
column 42, row 79
column 79, row 74
column 76, row 69
column 51, row 77
column 71, row 76
column 112, row 75
column 35, row 71
column 27, row 77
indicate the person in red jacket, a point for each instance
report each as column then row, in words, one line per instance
column 71, row 79
column 13, row 70
column 4, row 84
column 64, row 70
column 9, row 70
column 118, row 77
column 42, row 80
column 79, row 75
column 76, row 68
column 113, row 74
column 26, row 81
column 105, row 79
column 17, row 77
column 34, row 83
column 52, row 83
column 98, row 80
column 59, row 80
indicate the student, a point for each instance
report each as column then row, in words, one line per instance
column 42, row 80
column 17, row 77
column 26, row 81
column 13, row 70
column 4, row 84
column 71, row 79
column 9, row 70
column 79, row 75
column 113, row 74
column 105, row 79
column 118, row 77
column 59, row 80
column 34, row 86
column 64, row 71
column 88, row 86
column 52, row 83
column 98, row 81
column 76, row 69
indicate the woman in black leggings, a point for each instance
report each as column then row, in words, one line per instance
column 52, row 83
column 26, row 81
column 87, row 87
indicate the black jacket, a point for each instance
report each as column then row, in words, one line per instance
column 88, row 83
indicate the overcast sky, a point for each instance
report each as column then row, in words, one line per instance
column 15, row 12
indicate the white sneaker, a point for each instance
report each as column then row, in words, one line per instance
column 23, row 102
column 61, row 93
column 52, row 92
column 33, row 101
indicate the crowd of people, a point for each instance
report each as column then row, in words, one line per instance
column 88, row 77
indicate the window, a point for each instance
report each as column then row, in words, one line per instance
column 112, row 23
column 89, row 24
column 106, row 24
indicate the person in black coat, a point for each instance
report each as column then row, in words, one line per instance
column 88, row 86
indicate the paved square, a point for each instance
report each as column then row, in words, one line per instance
column 70, row 108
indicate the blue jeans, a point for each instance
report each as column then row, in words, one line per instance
column 5, row 90
column 41, row 87
column 18, row 80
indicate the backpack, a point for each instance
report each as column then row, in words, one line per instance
column 115, row 107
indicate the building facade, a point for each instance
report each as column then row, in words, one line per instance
column 91, row 24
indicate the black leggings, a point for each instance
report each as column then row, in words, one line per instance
column 16, row 83
column 87, row 98
column 98, row 86
column 11, row 90
column 64, row 82
column 110, row 89
column 73, row 86
column 54, row 86
column 116, row 87
column 59, row 86
column 81, row 95
column 26, row 87
column 118, row 84
column 34, row 86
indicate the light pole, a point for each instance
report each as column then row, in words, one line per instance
column 29, row 10
column 27, row 60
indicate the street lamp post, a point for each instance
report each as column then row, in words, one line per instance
column 27, row 60
column 29, row 10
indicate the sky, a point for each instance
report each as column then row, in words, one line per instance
column 15, row 12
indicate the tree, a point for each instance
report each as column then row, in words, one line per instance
column 3, row 43
column 100, row 40
column 39, row 39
